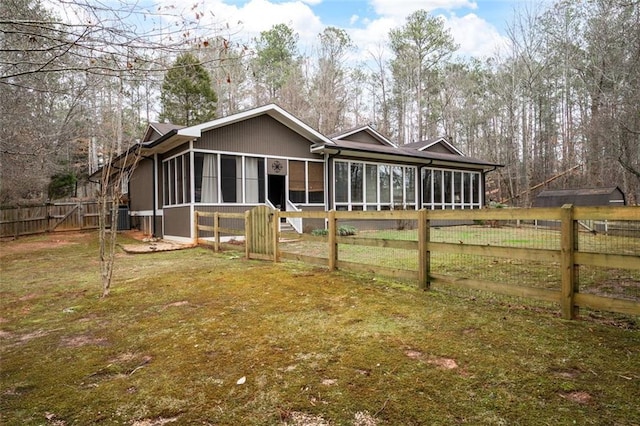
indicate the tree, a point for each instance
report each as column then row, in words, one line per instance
column 329, row 87
column 187, row 95
column 419, row 47
column 275, row 62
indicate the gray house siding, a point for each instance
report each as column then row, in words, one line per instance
column 362, row 137
column 177, row 221
column 141, row 186
column 260, row 135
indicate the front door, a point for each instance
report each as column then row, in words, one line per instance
column 276, row 191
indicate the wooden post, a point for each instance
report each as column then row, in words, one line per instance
column 424, row 256
column 216, row 232
column 276, row 235
column 16, row 224
column 333, row 243
column 196, row 232
column 568, row 271
column 248, row 235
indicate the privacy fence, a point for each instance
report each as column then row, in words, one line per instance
column 571, row 256
column 52, row 217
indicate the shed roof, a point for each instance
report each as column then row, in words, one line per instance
column 580, row 197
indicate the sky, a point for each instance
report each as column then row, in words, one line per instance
column 478, row 26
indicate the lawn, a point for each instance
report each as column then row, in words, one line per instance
column 193, row 337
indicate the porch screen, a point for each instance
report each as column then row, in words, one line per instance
column 205, row 173
column 254, row 180
column 316, row 182
column 231, row 172
column 297, row 187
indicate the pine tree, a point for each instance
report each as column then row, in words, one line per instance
column 187, row 95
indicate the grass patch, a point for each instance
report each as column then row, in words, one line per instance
column 191, row 337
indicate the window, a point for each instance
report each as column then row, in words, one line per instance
column 371, row 186
column 297, row 182
column 371, row 183
column 357, row 182
column 410, row 186
column 231, row 181
column 341, row 182
column 206, row 177
column 398, row 186
column 384, row 174
column 177, row 180
column 450, row 189
column 316, row 182
column 254, row 180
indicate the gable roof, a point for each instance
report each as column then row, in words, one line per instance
column 178, row 136
column 373, row 133
column 272, row 110
column 159, row 128
column 429, row 143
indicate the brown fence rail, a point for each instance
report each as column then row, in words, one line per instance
column 72, row 216
column 503, row 251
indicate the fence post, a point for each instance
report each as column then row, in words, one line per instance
column 424, row 256
column 276, row 235
column 333, row 244
column 216, row 232
column 247, row 234
column 568, row 268
column 16, row 224
column 196, row 232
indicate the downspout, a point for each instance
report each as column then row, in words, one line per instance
column 484, row 184
column 329, row 158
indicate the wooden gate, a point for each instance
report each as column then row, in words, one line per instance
column 261, row 230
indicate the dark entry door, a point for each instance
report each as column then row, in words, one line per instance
column 276, row 191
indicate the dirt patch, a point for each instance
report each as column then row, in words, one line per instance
column 83, row 340
column 577, row 397
column 154, row 246
column 444, row 363
column 44, row 241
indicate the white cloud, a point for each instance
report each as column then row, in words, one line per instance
column 475, row 36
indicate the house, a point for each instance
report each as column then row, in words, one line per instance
column 609, row 196
column 268, row 156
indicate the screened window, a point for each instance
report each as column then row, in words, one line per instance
column 297, row 182
column 205, row 168
column 341, row 182
column 254, row 180
column 372, row 186
column 316, row 182
column 450, row 189
column 357, row 182
column 231, row 181
column 177, row 185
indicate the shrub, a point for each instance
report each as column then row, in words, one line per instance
column 343, row 231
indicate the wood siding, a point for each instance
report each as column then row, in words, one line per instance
column 262, row 136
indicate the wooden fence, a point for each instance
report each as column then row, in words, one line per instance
column 565, row 259
column 70, row 216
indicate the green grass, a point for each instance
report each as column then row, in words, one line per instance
column 181, row 328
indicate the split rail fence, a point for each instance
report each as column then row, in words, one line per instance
column 503, row 251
